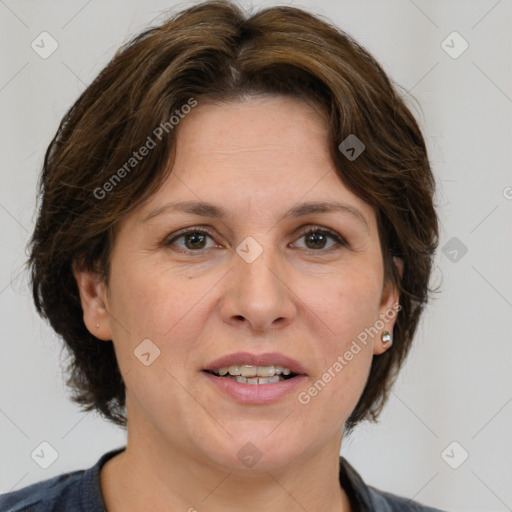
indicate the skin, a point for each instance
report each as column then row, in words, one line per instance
column 302, row 297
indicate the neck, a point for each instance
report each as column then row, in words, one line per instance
column 150, row 477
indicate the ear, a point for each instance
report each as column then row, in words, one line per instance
column 388, row 310
column 93, row 296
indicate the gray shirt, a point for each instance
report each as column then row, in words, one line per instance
column 80, row 491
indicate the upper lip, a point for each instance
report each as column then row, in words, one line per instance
column 267, row 359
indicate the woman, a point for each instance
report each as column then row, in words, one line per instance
column 235, row 240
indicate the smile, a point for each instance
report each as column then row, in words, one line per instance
column 250, row 374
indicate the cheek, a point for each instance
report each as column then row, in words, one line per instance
column 163, row 306
column 149, row 300
column 350, row 304
column 348, row 308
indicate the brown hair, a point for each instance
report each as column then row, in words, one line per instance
column 213, row 51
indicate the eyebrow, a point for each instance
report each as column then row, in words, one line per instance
column 211, row 210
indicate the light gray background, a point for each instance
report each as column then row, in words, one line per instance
column 456, row 385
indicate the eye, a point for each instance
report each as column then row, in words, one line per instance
column 317, row 237
column 193, row 238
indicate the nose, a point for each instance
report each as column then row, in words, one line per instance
column 257, row 296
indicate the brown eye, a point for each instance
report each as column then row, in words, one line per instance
column 316, row 239
column 194, row 240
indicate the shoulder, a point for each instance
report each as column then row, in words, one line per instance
column 79, row 491
column 46, row 496
column 386, row 501
column 366, row 498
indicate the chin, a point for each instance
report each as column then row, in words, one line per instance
column 255, row 453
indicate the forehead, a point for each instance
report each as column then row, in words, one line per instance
column 269, row 152
column 252, row 130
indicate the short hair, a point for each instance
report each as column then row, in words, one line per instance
column 214, row 51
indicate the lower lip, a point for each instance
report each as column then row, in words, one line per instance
column 252, row 394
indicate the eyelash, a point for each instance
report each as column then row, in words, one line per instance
column 340, row 241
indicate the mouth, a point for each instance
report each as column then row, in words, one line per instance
column 255, row 375
column 256, row 379
column 256, row 369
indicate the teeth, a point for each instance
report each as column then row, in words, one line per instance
column 233, row 370
column 246, row 370
column 256, row 380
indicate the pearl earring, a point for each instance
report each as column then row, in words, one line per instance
column 386, row 337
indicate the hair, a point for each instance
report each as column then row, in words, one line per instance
column 213, row 51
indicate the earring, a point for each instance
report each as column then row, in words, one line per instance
column 386, row 338
column 97, row 326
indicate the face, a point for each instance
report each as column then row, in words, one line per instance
column 256, row 281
